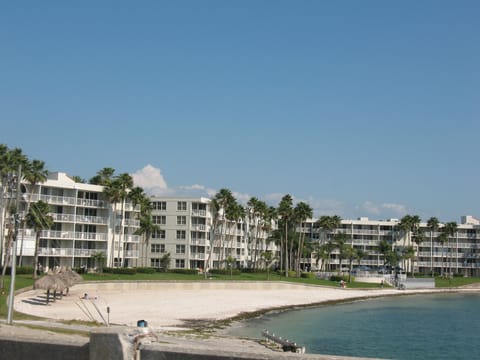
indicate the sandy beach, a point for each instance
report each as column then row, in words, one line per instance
column 167, row 305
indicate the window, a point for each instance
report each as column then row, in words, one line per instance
column 157, row 248
column 182, row 206
column 181, row 234
column 179, row 263
column 159, row 219
column 159, row 205
column 155, row 263
column 181, row 220
column 158, row 234
column 180, row 249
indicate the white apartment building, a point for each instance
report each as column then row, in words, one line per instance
column 84, row 225
column 188, row 233
column 84, row 222
column 460, row 254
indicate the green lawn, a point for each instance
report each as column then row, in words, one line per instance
column 455, row 281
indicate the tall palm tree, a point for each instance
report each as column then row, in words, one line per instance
column 10, row 160
column 285, row 211
column 433, row 225
column 125, row 184
column 302, row 212
column 112, row 192
column 34, row 174
column 450, row 229
column 418, row 237
column 225, row 201
column 39, row 219
column 340, row 242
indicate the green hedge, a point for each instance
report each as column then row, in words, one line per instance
column 340, row 277
column 308, row 275
column 224, row 271
column 122, row 271
column 146, row 270
column 20, row 270
column 184, row 271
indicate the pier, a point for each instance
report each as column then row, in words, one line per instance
column 287, row 345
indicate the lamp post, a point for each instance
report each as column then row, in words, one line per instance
column 14, row 250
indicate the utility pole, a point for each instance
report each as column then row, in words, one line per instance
column 14, row 249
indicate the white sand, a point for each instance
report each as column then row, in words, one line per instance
column 168, row 304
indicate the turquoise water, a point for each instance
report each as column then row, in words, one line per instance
column 443, row 326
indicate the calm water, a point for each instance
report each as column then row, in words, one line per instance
column 443, row 326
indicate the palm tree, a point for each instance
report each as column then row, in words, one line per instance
column 230, row 260
column 340, row 242
column 433, row 225
column 10, row 160
column 125, row 184
column 442, row 239
column 302, row 212
column 418, row 237
column 34, row 174
column 103, row 177
column 450, row 229
column 99, row 259
column 225, row 201
column 112, row 192
column 39, row 219
column 268, row 257
column 285, row 211
column 384, row 248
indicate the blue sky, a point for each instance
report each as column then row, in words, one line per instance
column 360, row 108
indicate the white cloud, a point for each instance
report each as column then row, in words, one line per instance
column 151, row 180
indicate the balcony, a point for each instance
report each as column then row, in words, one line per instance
column 91, row 219
column 91, row 203
column 199, row 212
column 197, row 256
column 55, row 251
column 202, row 242
column 131, row 238
column 128, row 222
column 130, row 254
column 88, row 252
column 199, row 227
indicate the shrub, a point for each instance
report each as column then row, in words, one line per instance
column 184, row 271
column 121, row 271
column 145, row 270
column 308, row 275
column 339, row 277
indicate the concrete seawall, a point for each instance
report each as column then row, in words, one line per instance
column 127, row 343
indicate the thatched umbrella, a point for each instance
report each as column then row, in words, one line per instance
column 50, row 282
column 69, row 277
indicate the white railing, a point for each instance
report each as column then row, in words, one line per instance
column 87, row 252
column 91, row 236
column 198, row 241
column 199, row 227
column 199, row 212
column 131, row 238
column 132, row 222
column 197, row 256
column 55, row 251
column 91, row 219
column 130, row 253
column 91, row 203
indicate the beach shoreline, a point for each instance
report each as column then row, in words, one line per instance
column 181, row 305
